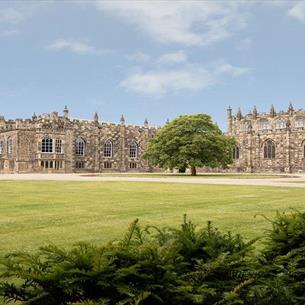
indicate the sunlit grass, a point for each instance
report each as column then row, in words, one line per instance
column 35, row 213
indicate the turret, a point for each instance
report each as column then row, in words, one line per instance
column 122, row 120
column 66, row 112
column 239, row 115
column 272, row 111
column 254, row 112
column 96, row 118
column 229, row 119
column 146, row 123
column 290, row 108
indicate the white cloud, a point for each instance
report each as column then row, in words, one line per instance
column 228, row 69
column 298, row 11
column 184, row 22
column 10, row 15
column 190, row 77
column 22, row 10
column 75, row 46
column 139, row 57
column 175, row 57
column 8, row 33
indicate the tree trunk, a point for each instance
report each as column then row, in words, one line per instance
column 193, row 171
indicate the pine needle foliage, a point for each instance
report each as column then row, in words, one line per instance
column 174, row 266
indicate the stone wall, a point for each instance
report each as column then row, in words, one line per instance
column 285, row 130
column 27, row 155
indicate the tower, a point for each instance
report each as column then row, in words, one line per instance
column 229, row 119
column 66, row 112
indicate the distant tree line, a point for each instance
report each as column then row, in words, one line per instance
column 154, row 266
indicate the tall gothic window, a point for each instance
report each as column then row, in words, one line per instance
column 1, row 147
column 264, row 125
column 10, row 145
column 47, row 145
column 300, row 122
column 58, row 146
column 80, row 147
column 280, row 124
column 133, row 150
column 108, row 149
column 245, row 126
column 235, row 153
column 269, row 150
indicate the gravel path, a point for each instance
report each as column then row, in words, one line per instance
column 283, row 182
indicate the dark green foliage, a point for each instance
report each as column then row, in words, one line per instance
column 155, row 266
column 149, row 266
column 190, row 141
column 278, row 276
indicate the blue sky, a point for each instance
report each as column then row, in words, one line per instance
column 154, row 59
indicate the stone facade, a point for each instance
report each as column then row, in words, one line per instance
column 272, row 142
column 52, row 143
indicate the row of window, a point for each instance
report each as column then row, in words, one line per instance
column 80, row 147
column 47, row 143
column 265, row 124
column 269, row 151
column 51, row 164
column 107, row 165
column 279, row 124
column 9, row 146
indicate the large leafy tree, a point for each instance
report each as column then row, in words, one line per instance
column 190, row 141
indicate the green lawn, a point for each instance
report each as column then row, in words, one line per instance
column 34, row 213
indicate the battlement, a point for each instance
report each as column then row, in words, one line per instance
column 265, row 121
column 53, row 118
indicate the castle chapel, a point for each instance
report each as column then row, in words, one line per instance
column 53, row 143
column 273, row 141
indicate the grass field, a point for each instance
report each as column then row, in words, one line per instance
column 35, row 213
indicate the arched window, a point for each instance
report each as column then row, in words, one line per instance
column 280, row 124
column 80, row 147
column 235, row 153
column 108, row 149
column 1, row 147
column 269, row 150
column 47, row 145
column 133, row 150
column 264, row 125
column 58, row 146
column 300, row 122
column 9, row 145
column 245, row 126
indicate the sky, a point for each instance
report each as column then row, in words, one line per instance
column 150, row 59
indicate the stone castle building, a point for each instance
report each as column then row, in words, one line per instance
column 55, row 143
column 52, row 143
column 273, row 141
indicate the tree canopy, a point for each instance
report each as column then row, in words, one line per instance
column 190, row 141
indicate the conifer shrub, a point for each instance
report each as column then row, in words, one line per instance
column 152, row 266
column 278, row 272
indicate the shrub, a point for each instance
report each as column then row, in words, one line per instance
column 155, row 266
column 148, row 266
